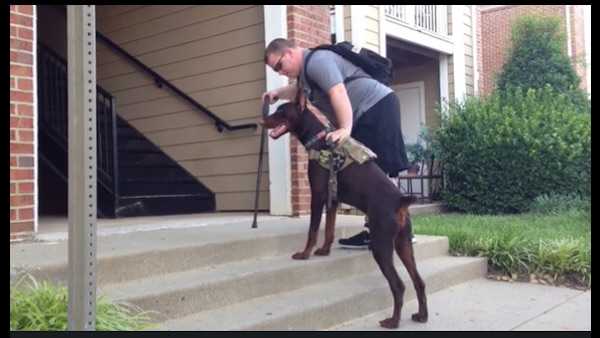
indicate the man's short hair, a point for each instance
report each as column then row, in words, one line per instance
column 277, row 46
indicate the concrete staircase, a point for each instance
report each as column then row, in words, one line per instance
column 229, row 277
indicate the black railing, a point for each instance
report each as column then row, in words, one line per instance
column 107, row 145
column 425, row 184
column 52, row 77
column 160, row 81
column 53, row 115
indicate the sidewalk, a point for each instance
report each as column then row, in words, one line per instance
column 488, row 305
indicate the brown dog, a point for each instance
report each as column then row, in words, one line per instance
column 366, row 187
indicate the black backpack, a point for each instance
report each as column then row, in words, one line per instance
column 377, row 66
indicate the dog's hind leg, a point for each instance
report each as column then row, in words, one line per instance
column 382, row 246
column 404, row 249
column 329, row 231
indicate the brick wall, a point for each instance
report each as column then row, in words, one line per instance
column 22, row 152
column 496, row 33
column 308, row 26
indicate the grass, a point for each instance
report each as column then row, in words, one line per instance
column 42, row 306
column 556, row 246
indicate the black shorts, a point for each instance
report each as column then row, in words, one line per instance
column 379, row 129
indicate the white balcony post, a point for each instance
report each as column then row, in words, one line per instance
column 444, row 95
column 280, row 167
column 339, row 23
column 410, row 15
column 382, row 30
column 442, row 19
column 458, row 56
column 358, row 24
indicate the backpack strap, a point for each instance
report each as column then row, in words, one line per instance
column 311, row 82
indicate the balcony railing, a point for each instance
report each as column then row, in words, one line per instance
column 431, row 18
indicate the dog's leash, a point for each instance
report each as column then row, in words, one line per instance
column 265, row 112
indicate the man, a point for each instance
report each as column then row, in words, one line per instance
column 362, row 108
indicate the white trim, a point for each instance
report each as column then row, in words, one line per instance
column 444, row 95
column 382, row 30
column 357, row 20
column 474, row 25
column 36, row 196
column 339, row 23
column 402, row 31
column 460, row 81
column 280, row 175
column 587, row 10
column 568, row 21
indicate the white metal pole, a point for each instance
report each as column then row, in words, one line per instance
column 81, row 35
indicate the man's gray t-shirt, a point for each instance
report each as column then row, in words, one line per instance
column 326, row 69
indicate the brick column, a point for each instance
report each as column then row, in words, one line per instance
column 308, row 26
column 578, row 43
column 478, row 45
column 22, row 151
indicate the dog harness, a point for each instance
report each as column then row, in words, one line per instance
column 336, row 157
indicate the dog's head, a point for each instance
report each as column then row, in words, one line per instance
column 285, row 119
column 303, row 123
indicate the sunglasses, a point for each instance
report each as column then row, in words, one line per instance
column 278, row 66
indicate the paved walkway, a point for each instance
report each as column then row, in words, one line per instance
column 488, row 305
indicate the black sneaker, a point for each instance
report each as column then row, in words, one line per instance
column 360, row 240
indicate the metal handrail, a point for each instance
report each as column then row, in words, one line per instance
column 159, row 80
column 52, row 84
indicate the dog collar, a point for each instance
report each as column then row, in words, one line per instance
column 315, row 138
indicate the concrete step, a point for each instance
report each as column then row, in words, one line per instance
column 216, row 285
column 170, row 245
column 327, row 304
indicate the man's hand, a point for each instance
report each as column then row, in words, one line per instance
column 338, row 135
column 272, row 95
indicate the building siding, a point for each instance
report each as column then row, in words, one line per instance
column 215, row 55
column 372, row 28
column 468, row 34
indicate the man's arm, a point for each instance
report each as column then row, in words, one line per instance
column 343, row 112
column 283, row 93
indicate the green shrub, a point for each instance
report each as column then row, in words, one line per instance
column 538, row 57
column 559, row 203
column 42, row 306
column 502, row 151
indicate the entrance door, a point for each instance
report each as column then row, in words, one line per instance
column 412, row 109
column 412, row 118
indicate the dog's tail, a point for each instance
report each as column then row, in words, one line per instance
column 402, row 211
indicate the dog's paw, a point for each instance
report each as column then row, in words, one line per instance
column 421, row 318
column 322, row 252
column 300, row 255
column 389, row 323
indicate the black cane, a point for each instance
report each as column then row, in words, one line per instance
column 265, row 112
